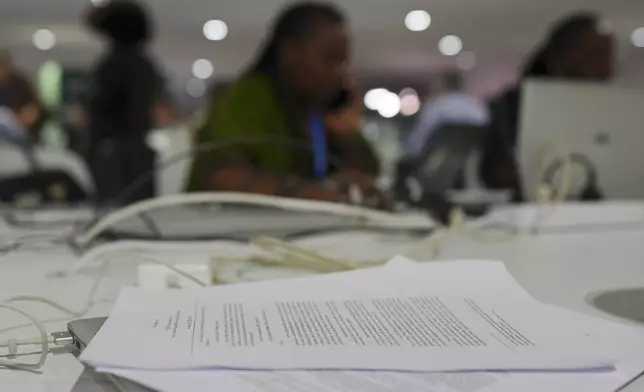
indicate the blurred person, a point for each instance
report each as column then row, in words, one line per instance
column 285, row 96
column 18, row 95
column 451, row 105
column 12, row 130
column 121, row 103
column 579, row 48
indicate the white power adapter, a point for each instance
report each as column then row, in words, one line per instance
column 158, row 277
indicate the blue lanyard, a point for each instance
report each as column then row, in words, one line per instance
column 318, row 139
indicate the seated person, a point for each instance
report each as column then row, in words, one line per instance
column 22, row 113
column 11, row 130
column 15, row 126
column 577, row 48
column 277, row 113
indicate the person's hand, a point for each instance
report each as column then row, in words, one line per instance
column 372, row 196
column 348, row 119
column 347, row 178
column 318, row 192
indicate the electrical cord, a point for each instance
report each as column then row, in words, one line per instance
column 285, row 254
column 207, row 147
column 135, row 186
column 43, row 340
column 364, row 216
column 12, row 344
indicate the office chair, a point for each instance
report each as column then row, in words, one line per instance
column 42, row 187
column 424, row 179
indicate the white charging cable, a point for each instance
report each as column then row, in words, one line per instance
column 43, row 340
column 12, row 344
column 363, row 216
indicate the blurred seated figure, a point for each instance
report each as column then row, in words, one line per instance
column 451, row 105
column 12, row 131
column 23, row 115
column 577, row 48
column 274, row 118
column 121, row 103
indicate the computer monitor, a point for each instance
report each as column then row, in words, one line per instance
column 604, row 124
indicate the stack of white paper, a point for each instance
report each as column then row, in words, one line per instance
column 388, row 329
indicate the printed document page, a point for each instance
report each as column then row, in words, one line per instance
column 624, row 342
column 352, row 381
column 429, row 318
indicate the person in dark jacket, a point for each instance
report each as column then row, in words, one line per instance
column 122, row 98
column 579, row 47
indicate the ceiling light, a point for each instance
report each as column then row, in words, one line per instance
column 202, row 69
column 466, row 61
column 390, row 105
column 196, row 88
column 99, row 3
column 418, row 20
column 638, row 37
column 373, row 98
column 44, row 39
column 450, row 45
column 409, row 102
column 407, row 91
column 215, row 30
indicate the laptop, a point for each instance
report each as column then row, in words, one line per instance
column 603, row 123
column 83, row 331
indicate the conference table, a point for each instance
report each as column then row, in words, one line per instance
column 575, row 254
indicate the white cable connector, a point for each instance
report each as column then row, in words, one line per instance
column 44, row 344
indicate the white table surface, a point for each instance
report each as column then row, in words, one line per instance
column 563, row 269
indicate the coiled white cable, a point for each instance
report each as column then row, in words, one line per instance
column 364, row 216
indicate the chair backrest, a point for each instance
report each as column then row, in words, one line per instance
column 16, row 161
column 440, row 164
column 41, row 187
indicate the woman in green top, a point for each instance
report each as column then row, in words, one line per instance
column 271, row 121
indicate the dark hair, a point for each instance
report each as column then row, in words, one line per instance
column 562, row 36
column 295, row 22
column 125, row 22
